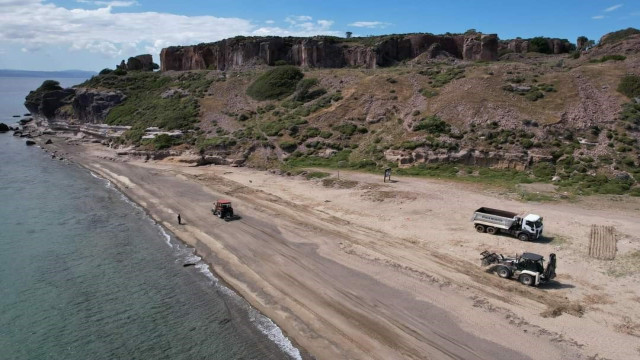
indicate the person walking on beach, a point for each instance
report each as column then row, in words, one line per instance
column 179, row 220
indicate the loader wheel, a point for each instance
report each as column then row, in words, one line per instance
column 523, row 237
column 492, row 230
column 526, row 279
column 480, row 228
column 503, row 272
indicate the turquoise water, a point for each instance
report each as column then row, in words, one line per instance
column 86, row 274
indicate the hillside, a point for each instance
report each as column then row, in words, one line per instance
column 527, row 117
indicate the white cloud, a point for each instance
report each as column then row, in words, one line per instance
column 598, row 17
column 370, row 24
column 269, row 22
column 129, row 33
column 109, row 3
column 614, row 7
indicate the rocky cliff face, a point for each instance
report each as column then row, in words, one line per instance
column 556, row 46
column 326, row 52
column 82, row 105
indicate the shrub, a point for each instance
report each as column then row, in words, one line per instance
column 543, row 170
column 163, row 141
column 428, row 93
column 276, row 83
column 607, row 58
column 279, row 63
column 630, row 86
column 49, row 85
column 312, row 132
column 215, row 142
column 433, row 124
column 119, row 72
column 303, row 94
column 392, row 80
column 326, row 134
column 526, row 143
column 346, row 129
column 534, row 95
column 288, row 146
column 105, row 71
column 540, row 45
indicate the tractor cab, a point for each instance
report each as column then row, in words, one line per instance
column 223, row 209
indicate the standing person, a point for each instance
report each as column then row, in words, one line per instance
column 179, row 220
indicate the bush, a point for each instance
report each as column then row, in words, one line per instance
column 105, row 71
column 303, row 94
column 607, row 58
column 540, row 45
column 119, row 72
column 346, row 129
column 432, row 124
column 534, row 95
column 630, row 86
column 288, row 146
column 543, row 170
column 163, row 141
column 280, row 63
column 276, row 83
column 49, row 85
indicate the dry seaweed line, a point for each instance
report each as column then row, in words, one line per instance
column 602, row 243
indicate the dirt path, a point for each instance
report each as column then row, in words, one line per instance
column 389, row 271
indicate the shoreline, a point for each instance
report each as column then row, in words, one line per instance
column 285, row 343
column 295, row 318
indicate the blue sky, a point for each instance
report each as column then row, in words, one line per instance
column 92, row 35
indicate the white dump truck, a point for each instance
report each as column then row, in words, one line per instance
column 493, row 221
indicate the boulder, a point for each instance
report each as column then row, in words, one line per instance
column 140, row 63
column 17, row 133
column 48, row 142
column 4, row 128
column 30, row 142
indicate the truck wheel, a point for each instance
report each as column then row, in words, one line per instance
column 219, row 214
column 526, row 279
column 503, row 272
column 480, row 228
column 523, row 237
column 492, row 230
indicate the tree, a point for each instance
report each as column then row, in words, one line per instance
column 349, row 33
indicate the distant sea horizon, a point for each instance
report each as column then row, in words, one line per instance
column 40, row 74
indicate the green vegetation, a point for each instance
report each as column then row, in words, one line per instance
column 275, row 83
column 606, row 58
column 619, row 35
column 303, row 94
column 630, row 113
column 145, row 107
column 317, row 175
column 630, row 86
column 163, row 141
column 433, row 125
column 288, row 146
column 440, row 78
column 218, row 142
column 428, row 93
column 541, row 45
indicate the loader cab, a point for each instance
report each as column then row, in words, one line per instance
column 531, row 262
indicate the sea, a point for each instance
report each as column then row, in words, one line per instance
column 86, row 274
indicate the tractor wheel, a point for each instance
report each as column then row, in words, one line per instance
column 491, row 230
column 219, row 213
column 480, row 228
column 523, row 237
column 526, row 279
column 503, row 272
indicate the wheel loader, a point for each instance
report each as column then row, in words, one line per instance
column 528, row 268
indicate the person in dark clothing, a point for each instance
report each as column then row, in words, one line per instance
column 179, row 220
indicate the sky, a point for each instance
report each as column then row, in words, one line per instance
column 91, row 35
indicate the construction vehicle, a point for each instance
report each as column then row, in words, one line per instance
column 223, row 209
column 494, row 221
column 528, row 268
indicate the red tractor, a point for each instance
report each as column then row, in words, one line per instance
column 223, row 209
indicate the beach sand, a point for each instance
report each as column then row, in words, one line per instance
column 360, row 269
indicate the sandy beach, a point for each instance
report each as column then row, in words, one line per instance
column 360, row 269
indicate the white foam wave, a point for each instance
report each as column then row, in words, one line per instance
column 273, row 332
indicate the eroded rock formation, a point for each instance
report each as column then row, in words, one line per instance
column 327, row 52
column 92, row 106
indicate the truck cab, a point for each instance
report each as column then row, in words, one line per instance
column 533, row 225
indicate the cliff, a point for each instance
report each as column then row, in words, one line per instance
column 326, row 52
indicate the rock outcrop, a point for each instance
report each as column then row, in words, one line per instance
column 92, row 106
column 500, row 160
column 49, row 103
column 142, row 62
column 83, row 105
column 326, row 52
column 555, row 46
column 4, row 128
